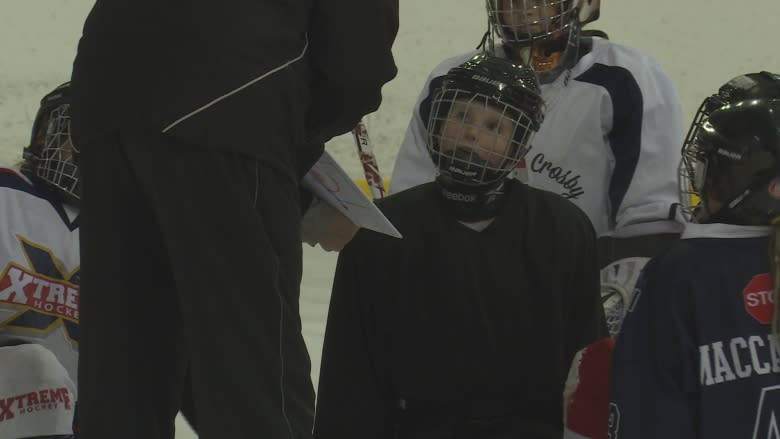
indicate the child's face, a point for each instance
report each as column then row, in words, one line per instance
column 480, row 128
column 57, row 141
column 65, row 151
column 530, row 17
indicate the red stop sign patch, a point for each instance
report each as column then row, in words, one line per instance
column 758, row 295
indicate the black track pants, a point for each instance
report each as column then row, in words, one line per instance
column 190, row 258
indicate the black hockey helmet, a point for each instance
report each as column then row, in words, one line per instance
column 548, row 29
column 740, row 88
column 483, row 119
column 51, row 154
column 730, row 153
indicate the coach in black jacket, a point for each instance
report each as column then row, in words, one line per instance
column 195, row 120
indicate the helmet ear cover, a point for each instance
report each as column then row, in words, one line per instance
column 588, row 11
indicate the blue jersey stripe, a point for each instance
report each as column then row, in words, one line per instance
column 625, row 139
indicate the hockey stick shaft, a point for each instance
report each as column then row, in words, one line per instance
column 368, row 160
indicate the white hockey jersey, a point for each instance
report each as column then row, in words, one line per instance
column 39, row 268
column 37, row 397
column 610, row 141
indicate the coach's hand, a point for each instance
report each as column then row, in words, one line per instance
column 325, row 225
column 338, row 231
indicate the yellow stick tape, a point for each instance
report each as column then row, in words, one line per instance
column 363, row 184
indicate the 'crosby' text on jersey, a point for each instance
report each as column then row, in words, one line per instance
column 569, row 182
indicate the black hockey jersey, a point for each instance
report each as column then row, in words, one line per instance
column 454, row 330
column 694, row 358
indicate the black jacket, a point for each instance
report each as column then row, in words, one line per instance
column 452, row 333
column 193, row 69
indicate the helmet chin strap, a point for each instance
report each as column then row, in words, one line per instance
column 737, row 211
column 726, row 216
column 472, row 203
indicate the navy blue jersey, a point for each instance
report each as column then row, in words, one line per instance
column 695, row 358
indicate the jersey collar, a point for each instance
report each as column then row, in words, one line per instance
column 718, row 230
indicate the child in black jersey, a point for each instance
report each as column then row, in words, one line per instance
column 466, row 327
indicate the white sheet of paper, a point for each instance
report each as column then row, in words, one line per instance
column 328, row 181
